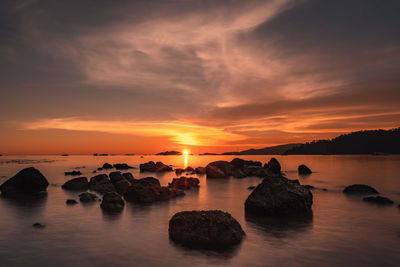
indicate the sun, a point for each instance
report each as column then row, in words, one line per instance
column 186, row 152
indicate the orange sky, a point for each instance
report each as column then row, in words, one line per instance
column 212, row 76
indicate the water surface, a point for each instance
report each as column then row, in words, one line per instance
column 343, row 230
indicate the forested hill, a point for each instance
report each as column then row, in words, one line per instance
column 361, row 142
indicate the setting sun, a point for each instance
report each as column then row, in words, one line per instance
column 186, row 152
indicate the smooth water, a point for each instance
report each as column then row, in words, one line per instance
column 344, row 231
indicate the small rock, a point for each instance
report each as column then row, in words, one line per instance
column 71, row 202
column 219, row 169
column 73, row 173
column 128, row 176
column 38, row 225
column 360, row 189
column 184, row 183
column 309, row 186
column 107, row 166
column 112, row 202
column 251, row 187
column 122, row 166
column 155, row 167
column 379, row 200
column 303, row 169
column 87, row 197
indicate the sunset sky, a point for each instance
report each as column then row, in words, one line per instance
column 119, row 76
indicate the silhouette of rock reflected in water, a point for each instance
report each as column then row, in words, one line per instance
column 26, row 205
column 281, row 227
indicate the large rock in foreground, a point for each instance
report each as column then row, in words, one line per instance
column 212, row 229
column 184, row 183
column 27, row 181
column 154, row 167
column 273, row 166
column 360, row 189
column 101, row 184
column 279, row 196
column 112, row 202
column 80, row 183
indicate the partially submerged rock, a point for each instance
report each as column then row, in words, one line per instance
column 38, row 225
column 73, row 173
column 184, row 183
column 281, row 197
column 303, row 169
column 251, row 187
column 80, row 183
column 213, row 229
column 148, row 190
column 27, row 181
column 101, row 184
column 200, row 170
column 112, row 202
column 87, row 197
column 122, row 166
column 71, row 202
column 273, row 166
column 128, row 176
column 379, row 200
column 155, row 167
column 360, row 189
column 219, row 169
column 107, row 166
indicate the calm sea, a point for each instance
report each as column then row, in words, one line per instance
column 344, row 231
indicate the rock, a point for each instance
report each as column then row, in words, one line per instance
column 27, row 181
column 184, row 183
column 122, row 166
column 179, row 171
column 213, row 229
column 219, row 169
column 200, row 170
column 87, row 197
column 279, row 196
column 360, row 189
column 80, row 183
column 129, row 177
column 238, row 173
column 303, row 169
column 238, row 163
column 71, row 202
column 115, row 177
column 100, row 183
column 251, row 187
column 155, row 167
column 73, row 173
column 251, row 170
column 112, row 202
column 274, row 166
column 122, row 186
column 309, row 186
column 379, row 200
column 38, row 225
column 99, row 169
column 107, row 166
column 148, row 190
column 189, row 169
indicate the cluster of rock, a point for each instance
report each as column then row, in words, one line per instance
column 190, row 170
column 118, row 166
column 362, row 190
column 73, row 173
column 155, row 167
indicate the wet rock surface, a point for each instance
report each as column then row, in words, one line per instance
column 378, row 200
column 80, row 183
column 212, row 229
column 88, row 197
column 154, row 167
column 304, row 170
column 279, row 196
column 112, row 202
column 184, row 183
column 360, row 189
column 101, row 184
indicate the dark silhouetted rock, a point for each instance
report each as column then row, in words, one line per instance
column 379, row 200
column 155, row 167
column 27, row 181
column 274, row 166
column 179, row 171
column 80, row 183
column 107, row 166
column 184, row 183
column 116, row 176
column 189, row 169
column 251, row 187
column 252, row 170
column 219, row 169
column 122, row 166
column 71, row 202
column 360, row 189
column 38, row 225
column 279, row 196
column 73, row 173
column 238, row 163
column 200, row 170
column 129, row 177
column 309, row 186
column 303, row 169
column 148, row 190
column 87, row 197
column 212, row 229
column 112, row 202
column 101, row 183
column 122, row 186
column 239, row 173
column 169, row 153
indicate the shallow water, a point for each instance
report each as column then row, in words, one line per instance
column 343, row 231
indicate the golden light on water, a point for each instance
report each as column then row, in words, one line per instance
column 185, row 152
